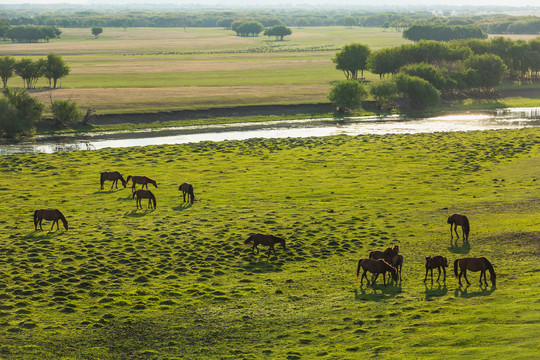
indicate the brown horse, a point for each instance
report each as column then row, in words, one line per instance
column 113, row 176
column 436, row 262
column 144, row 194
column 143, row 180
column 456, row 219
column 376, row 267
column 387, row 255
column 51, row 215
column 474, row 264
column 266, row 240
column 187, row 188
column 397, row 262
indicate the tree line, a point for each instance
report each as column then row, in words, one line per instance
column 52, row 68
column 428, row 70
column 29, row 33
column 444, row 32
column 493, row 24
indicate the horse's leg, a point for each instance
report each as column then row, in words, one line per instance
column 451, row 235
column 425, row 277
column 384, row 278
column 455, row 229
column 183, row 193
column 444, row 272
column 465, row 276
column 362, row 279
column 438, row 277
column 459, row 277
column 375, row 279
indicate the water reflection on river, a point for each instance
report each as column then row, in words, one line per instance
column 501, row 119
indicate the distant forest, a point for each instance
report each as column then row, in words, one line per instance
column 67, row 18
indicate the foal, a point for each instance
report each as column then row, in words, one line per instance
column 436, row 262
column 376, row 267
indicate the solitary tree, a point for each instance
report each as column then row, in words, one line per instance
column 96, row 31
column 55, row 68
column 7, row 66
column 347, row 95
column 279, row 31
column 351, row 58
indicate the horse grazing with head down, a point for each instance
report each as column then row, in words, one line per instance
column 144, row 194
column 187, row 188
column 397, row 262
column 474, row 264
column 456, row 219
column 376, row 267
column 113, row 176
column 143, row 180
column 51, row 215
column 387, row 255
column 436, row 262
column 266, row 240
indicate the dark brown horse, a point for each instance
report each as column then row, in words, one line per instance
column 266, row 240
column 436, row 262
column 113, row 176
column 474, row 264
column 387, row 255
column 456, row 219
column 397, row 262
column 143, row 180
column 51, row 215
column 144, row 194
column 376, row 267
column 187, row 188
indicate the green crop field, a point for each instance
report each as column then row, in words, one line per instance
column 151, row 69
column 178, row 281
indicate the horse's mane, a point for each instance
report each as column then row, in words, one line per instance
column 63, row 218
column 248, row 240
column 489, row 266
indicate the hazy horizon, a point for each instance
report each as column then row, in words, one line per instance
column 287, row 4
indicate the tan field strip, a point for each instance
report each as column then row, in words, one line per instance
column 134, row 99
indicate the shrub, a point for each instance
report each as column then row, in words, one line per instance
column 18, row 112
column 347, row 95
column 66, row 113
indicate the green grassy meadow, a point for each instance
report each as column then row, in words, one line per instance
column 178, row 282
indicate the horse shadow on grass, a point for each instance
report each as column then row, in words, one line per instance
column 454, row 247
column 262, row 265
column 436, row 290
column 183, row 206
column 110, row 191
column 377, row 292
column 135, row 213
column 465, row 293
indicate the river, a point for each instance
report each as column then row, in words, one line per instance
column 511, row 118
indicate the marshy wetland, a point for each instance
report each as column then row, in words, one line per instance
column 178, row 281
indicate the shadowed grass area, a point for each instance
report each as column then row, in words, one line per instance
column 178, row 281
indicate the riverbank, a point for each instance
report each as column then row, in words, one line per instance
column 178, row 281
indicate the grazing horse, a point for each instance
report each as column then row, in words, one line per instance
column 474, row 264
column 436, row 262
column 376, row 267
column 267, row 240
column 387, row 255
column 187, row 188
column 397, row 262
column 51, row 215
column 144, row 194
column 113, row 176
column 140, row 180
column 456, row 219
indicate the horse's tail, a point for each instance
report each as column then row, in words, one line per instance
column 466, row 226
column 102, row 179
column 490, row 268
column 154, row 201
column 248, row 240
column 455, row 268
column 35, row 219
column 358, row 267
column 64, row 220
